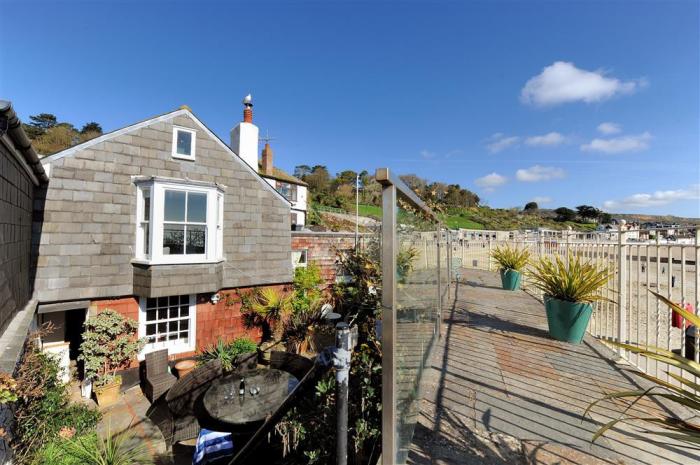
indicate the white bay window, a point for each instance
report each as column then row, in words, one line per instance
column 178, row 222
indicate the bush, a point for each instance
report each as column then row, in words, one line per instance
column 226, row 351
column 89, row 449
column 43, row 407
column 511, row 258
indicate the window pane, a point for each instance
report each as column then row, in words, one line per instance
column 196, row 208
column 150, row 315
column 184, row 143
column 162, row 301
column 162, row 313
column 172, row 326
column 174, row 205
column 146, row 239
column 196, row 239
column 150, row 330
column 184, row 324
column 184, row 311
column 150, row 302
column 146, row 204
column 173, row 239
column 173, row 312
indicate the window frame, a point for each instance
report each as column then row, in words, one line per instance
column 174, row 347
column 302, row 253
column 193, row 147
column 214, row 251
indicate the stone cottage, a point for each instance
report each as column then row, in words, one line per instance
column 163, row 222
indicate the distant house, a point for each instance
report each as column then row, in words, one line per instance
column 164, row 223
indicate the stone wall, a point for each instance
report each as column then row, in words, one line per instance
column 89, row 218
column 16, row 202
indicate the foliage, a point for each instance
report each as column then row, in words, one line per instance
column 307, row 301
column 686, row 431
column 565, row 214
column 587, row 213
column 405, row 260
column 572, row 280
column 358, row 298
column 8, row 389
column 91, row 127
column 531, row 207
column 43, row 407
column 109, row 344
column 49, row 136
column 226, row 352
column 89, row 449
column 266, row 308
column 511, row 258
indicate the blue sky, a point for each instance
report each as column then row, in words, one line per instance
column 460, row 92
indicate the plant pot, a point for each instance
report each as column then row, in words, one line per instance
column 567, row 320
column 108, row 394
column 510, row 279
column 185, row 366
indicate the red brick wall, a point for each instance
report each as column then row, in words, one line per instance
column 322, row 247
column 213, row 321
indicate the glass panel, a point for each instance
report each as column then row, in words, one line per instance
column 150, row 302
column 162, row 328
column 184, row 324
column 175, row 205
column 146, row 238
column 184, row 143
column 196, row 239
column 150, row 315
column 173, row 239
column 146, row 204
column 172, row 326
column 185, row 311
column 173, row 312
column 162, row 301
column 184, row 336
column 196, row 208
column 162, row 313
column 150, row 330
column 174, row 300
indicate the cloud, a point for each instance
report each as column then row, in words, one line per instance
column 562, row 82
column 548, row 140
column 491, row 181
column 655, row 199
column 542, row 200
column 632, row 143
column 428, row 155
column 609, row 128
column 539, row 173
column 500, row 141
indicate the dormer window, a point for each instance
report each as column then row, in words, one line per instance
column 184, row 143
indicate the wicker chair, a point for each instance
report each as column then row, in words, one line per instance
column 158, row 378
column 183, row 398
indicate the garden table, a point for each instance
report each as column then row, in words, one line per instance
column 246, row 412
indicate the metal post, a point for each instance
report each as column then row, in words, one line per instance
column 488, row 259
column 439, row 282
column 341, row 362
column 389, row 249
column 357, row 210
column 622, row 296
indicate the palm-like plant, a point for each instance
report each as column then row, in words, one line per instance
column 117, row 449
column 268, row 308
column 572, row 280
column 510, row 258
column 686, row 431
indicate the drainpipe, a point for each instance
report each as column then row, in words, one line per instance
column 344, row 343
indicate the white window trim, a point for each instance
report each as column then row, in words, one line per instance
column 175, row 347
column 214, row 226
column 303, row 253
column 193, row 150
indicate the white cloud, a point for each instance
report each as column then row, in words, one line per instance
column 500, row 141
column 491, row 181
column 609, row 128
column 549, row 140
column 428, row 155
column 539, row 173
column 655, row 199
column 562, row 82
column 542, row 200
column 633, row 143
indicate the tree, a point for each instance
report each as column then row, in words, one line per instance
column 586, row 212
column 531, row 207
column 43, row 121
column 301, row 170
column 565, row 214
column 605, row 218
column 318, row 179
column 91, row 127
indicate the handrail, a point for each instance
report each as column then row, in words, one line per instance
column 387, row 178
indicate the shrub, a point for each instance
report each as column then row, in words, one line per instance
column 266, row 308
column 510, row 258
column 89, row 449
column 109, row 344
column 572, row 280
column 405, row 261
column 226, row 351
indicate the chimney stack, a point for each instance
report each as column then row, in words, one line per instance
column 267, row 159
column 244, row 137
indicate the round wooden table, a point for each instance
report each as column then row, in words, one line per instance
column 244, row 413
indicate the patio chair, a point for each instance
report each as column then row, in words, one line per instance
column 158, row 378
column 183, row 398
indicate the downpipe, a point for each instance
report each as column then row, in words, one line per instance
column 345, row 341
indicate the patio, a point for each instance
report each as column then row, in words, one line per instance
column 500, row 391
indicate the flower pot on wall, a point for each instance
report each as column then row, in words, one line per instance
column 510, row 279
column 108, row 394
column 567, row 320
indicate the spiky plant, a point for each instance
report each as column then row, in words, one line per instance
column 114, row 449
column 510, row 258
column 226, row 352
column 268, row 308
column 572, row 280
column 686, row 431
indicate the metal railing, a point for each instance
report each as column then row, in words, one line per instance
column 639, row 260
column 415, row 285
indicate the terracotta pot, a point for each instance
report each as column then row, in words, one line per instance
column 108, row 394
column 184, row 367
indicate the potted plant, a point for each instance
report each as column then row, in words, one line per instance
column 109, row 344
column 511, row 263
column 227, row 352
column 569, row 288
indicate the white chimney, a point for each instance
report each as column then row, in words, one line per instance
column 244, row 137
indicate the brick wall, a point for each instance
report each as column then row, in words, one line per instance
column 16, row 202
column 322, row 249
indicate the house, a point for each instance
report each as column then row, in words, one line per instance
column 165, row 223
column 245, row 141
